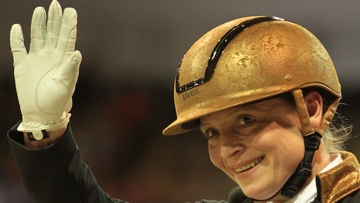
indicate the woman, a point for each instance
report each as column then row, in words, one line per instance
column 262, row 90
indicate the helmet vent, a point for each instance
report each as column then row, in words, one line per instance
column 288, row 78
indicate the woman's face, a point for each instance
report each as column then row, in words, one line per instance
column 258, row 145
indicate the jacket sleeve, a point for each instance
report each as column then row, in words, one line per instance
column 56, row 173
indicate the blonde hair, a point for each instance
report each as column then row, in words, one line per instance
column 338, row 132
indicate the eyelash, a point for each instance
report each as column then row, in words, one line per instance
column 252, row 120
column 207, row 132
column 239, row 119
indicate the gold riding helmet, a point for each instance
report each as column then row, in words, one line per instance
column 250, row 59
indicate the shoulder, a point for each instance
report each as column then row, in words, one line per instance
column 340, row 183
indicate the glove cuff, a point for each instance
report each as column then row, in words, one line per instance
column 38, row 127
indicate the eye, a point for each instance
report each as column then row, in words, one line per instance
column 245, row 120
column 210, row 133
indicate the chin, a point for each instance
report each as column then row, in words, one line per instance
column 259, row 192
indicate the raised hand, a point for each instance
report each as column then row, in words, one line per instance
column 46, row 76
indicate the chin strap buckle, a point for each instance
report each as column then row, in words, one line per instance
column 312, row 142
column 304, row 170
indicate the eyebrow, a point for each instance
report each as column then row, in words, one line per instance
column 256, row 106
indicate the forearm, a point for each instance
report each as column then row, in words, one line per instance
column 56, row 173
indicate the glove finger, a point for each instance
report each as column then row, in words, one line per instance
column 17, row 44
column 53, row 24
column 68, row 73
column 38, row 29
column 68, row 31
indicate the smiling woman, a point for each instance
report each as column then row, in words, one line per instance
column 267, row 95
column 262, row 90
column 259, row 145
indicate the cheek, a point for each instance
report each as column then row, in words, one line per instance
column 283, row 145
column 214, row 154
column 294, row 143
column 216, row 159
column 285, row 148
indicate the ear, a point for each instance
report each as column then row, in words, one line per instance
column 314, row 104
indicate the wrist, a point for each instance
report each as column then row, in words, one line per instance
column 53, row 136
column 35, row 124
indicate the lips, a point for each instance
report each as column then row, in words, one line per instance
column 249, row 165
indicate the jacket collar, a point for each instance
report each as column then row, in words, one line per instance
column 340, row 181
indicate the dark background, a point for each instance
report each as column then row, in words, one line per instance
column 123, row 100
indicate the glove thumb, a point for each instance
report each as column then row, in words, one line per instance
column 69, row 72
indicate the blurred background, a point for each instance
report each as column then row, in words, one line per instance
column 123, row 100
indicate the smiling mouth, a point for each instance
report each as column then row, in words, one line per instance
column 249, row 165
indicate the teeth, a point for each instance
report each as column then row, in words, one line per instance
column 248, row 166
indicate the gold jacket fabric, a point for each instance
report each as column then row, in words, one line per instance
column 341, row 183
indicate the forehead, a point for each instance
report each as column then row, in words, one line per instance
column 264, row 106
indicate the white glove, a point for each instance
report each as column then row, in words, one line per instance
column 46, row 76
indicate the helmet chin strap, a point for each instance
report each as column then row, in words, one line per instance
column 302, row 173
column 304, row 170
column 312, row 141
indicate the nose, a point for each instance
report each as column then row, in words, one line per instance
column 231, row 144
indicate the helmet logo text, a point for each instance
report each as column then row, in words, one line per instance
column 190, row 93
